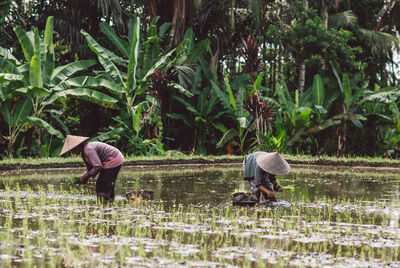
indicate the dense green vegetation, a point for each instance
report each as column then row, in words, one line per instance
column 201, row 77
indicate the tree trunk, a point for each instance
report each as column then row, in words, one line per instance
column 273, row 59
column 337, row 5
column 302, row 64
column 302, row 76
column 381, row 21
column 178, row 12
column 324, row 16
column 233, row 16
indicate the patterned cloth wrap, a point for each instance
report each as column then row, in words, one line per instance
column 252, row 186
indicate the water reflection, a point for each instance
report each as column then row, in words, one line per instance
column 214, row 186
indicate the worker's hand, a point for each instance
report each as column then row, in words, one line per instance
column 277, row 188
column 75, row 179
column 271, row 195
column 83, row 179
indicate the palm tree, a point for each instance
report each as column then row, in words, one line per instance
column 73, row 15
column 377, row 33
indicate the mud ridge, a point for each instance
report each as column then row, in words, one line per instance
column 194, row 161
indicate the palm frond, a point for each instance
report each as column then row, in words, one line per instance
column 185, row 75
column 380, row 42
column 341, row 19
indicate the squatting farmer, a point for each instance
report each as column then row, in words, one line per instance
column 100, row 158
column 260, row 170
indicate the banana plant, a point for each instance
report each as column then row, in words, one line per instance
column 320, row 101
column 202, row 118
column 383, row 103
column 29, row 86
column 292, row 118
column 236, row 133
column 128, row 77
column 202, row 109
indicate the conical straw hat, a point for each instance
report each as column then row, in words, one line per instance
column 71, row 142
column 273, row 163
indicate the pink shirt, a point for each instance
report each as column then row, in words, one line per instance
column 99, row 155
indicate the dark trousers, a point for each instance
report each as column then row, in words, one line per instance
column 105, row 184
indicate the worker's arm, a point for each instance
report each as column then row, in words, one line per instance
column 269, row 193
column 92, row 162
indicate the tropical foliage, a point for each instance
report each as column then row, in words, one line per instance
column 202, row 77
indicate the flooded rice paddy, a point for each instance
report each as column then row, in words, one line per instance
column 336, row 219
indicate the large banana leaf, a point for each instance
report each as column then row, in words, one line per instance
column 137, row 115
column 303, row 116
column 35, row 72
column 211, row 103
column 386, row 95
column 179, row 117
column 189, row 35
column 46, row 126
column 318, row 90
column 21, row 110
column 101, row 51
column 108, row 135
column 94, row 82
column 37, row 48
column 188, row 106
column 133, row 58
column 34, row 91
column 282, row 99
column 48, row 35
column 347, row 91
column 84, row 93
column 7, row 66
column 112, row 70
column 228, row 135
column 11, row 77
column 49, row 60
column 194, row 53
column 5, row 110
column 5, row 54
column 224, row 98
column 55, row 114
column 232, row 100
column 158, row 64
column 26, row 42
column 121, row 44
column 181, row 89
column 151, row 44
column 396, row 112
column 64, row 72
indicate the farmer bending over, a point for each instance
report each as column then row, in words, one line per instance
column 100, row 158
column 260, row 170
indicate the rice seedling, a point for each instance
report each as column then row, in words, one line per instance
column 63, row 225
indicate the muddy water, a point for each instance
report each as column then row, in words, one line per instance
column 214, row 186
column 336, row 219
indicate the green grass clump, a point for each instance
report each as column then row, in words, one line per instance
column 288, row 188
